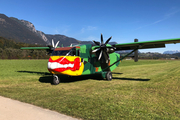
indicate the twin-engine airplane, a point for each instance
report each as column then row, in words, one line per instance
column 97, row 58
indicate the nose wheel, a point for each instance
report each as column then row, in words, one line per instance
column 56, row 80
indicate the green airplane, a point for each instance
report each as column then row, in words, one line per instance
column 91, row 59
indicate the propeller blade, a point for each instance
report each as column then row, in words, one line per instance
column 52, row 42
column 104, row 49
column 96, row 50
column 97, row 43
column 106, row 56
column 56, row 44
column 101, row 39
column 100, row 55
column 108, row 40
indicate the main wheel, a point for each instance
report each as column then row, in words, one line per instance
column 56, row 80
column 109, row 76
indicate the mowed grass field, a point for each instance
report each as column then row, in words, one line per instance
column 148, row 89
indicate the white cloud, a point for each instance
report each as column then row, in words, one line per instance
column 56, row 31
column 172, row 12
column 90, row 38
column 91, row 28
column 158, row 21
column 88, row 28
column 166, row 16
column 62, row 30
column 82, row 30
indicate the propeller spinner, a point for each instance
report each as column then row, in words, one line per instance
column 104, row 50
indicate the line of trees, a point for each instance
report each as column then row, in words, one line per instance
column 150, row 55
column 158, row 56
column 10, row 53
column 10, row 49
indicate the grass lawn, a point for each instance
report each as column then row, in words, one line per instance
column 148, row 89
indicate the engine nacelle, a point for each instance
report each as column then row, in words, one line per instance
column 110, row 50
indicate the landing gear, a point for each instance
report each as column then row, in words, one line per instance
column 109, row 76
column 56, row 80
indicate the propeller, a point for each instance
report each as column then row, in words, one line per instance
column 51, row 48
column 55, row 45
column 104, row 50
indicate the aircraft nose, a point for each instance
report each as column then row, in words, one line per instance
column 49, row 65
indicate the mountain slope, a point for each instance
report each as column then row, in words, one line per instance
column 31, row 28
column 66, row 41
column 171, row 52
column 24, row 31
column 11, row 29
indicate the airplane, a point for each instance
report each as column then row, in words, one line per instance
column 90, row 59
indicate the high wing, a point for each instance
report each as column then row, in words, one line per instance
column 35, row 48
column 49, row 48
column 145, row 44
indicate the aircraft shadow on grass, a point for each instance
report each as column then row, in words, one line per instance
column 116, row 73
column 131, row 79
column 34, row 72
column 47, row 77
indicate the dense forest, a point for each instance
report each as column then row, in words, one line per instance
column 9, row 49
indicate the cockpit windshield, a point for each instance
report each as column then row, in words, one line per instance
column 64, row 52
column 60, row 53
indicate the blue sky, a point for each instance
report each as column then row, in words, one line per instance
column 124, row 20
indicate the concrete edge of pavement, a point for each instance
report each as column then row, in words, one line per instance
column 16, row 110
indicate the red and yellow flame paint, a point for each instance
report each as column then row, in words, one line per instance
column 67, row 65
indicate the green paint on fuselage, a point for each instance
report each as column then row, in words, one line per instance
column 91, row 63
column 87, row 58
column 113, row 58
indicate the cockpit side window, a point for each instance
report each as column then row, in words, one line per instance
column 78, row 52
column 73, row 52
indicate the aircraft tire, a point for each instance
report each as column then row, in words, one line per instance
column 109, row 76
column 56, row 80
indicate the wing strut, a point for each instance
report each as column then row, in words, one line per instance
column 136, row 52
column 123, row 57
